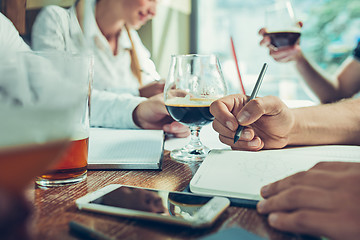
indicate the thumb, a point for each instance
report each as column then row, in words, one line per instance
column 256, row 108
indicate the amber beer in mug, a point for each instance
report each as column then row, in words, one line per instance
column 27, row 161
column 72, row 164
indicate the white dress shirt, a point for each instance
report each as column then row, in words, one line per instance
column 9, row 37
column 115, row 92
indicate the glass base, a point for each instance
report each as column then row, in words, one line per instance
column 42, row 182
column 189, row 154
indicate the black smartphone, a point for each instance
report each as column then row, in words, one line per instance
column 180, row 208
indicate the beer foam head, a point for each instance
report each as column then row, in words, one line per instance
column 40, row 100
column 189, row 101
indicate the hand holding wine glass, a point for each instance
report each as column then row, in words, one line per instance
column 281, row 25
column 194, row 82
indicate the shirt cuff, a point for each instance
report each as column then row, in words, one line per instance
column 113, row 110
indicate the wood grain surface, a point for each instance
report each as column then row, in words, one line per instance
column 55, row 207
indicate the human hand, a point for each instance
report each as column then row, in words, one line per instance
column 282, row 54
column 152, row 114
column 268, row 122
column 323, row 201
column 152, row 89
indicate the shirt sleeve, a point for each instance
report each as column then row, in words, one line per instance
column 48, row 31
column 108, row 109
column 10, row 39
column 356, row 52
column 113, row 110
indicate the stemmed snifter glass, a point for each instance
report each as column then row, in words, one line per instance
column 193, row 83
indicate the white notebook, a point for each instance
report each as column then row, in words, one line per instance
column 125, row 149
column 241, row 174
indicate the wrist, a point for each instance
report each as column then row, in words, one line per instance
column 300, row 59
column 136, row 117
column 296, row 129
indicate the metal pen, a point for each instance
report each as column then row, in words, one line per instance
column 253, row 95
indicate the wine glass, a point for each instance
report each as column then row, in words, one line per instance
column 281, row 24
column 193, row 83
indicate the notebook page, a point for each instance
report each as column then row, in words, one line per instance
column 242, row 174
column 125, row 146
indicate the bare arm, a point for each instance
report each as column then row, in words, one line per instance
column 344, row 84
column 336, row 123
column 270, row 124
column 349, row 77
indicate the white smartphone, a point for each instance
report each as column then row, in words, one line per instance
column 185, row 209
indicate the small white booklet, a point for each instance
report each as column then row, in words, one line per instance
column 241, row 174
column 125, row 149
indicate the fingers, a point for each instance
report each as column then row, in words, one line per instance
column 315, row 178
column 336, row 166
column 286, row 54
column 247, row 139
column 266, row 42
column 253, row 145
column 311, row 222
column 262, row 31
column 246, row 135
column 226, row 123
column 282, row 53
column 258, row 107
column 224, row 108
column 177, row 129
column 298, row 197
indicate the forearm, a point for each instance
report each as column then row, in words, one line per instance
column 323, row 87
column 336, row 123
column 113, row 110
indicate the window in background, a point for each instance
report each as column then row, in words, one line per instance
column 330, row 32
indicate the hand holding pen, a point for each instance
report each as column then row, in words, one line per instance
column 267, row 122
column 253, row 95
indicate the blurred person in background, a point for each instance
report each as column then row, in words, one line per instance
column 9, row 37
column 344, row 84
column 14, row 207
column 123, row 72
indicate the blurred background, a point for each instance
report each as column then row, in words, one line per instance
column 330, row 33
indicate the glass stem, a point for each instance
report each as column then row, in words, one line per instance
column 195, row 138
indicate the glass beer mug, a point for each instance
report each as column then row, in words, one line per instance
column 72, row 164
column 44, row 100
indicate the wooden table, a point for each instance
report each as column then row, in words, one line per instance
column 55, row 207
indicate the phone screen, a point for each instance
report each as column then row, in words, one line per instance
column 154, row 201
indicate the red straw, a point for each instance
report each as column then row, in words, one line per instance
column 236, row 63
